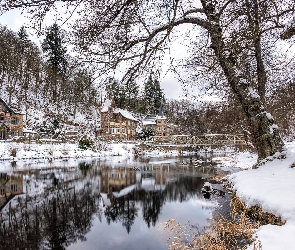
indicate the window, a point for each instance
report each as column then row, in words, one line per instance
column 123, row 130
column 14, row 133
column 117, row 130
column 2, row 135
column 14, row 188
column 112, row 130
column 2, row 118
column 14, row 120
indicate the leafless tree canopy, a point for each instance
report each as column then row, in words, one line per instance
column 138, row 32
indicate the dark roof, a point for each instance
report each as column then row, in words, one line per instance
column 7, row 107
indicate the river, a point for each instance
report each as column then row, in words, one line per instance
column 101, row 204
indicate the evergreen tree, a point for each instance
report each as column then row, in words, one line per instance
column 53, row 128
column 24, row 39
column 118, row 91
column 55, row 52
column 28, row 62
column 54, row 49
column 153, row 96
column 158, row 96
column 146, row 133
column 131, row 94
column 112, row 89
column 149, row 95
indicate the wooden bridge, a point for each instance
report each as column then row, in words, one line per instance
column 199, row 140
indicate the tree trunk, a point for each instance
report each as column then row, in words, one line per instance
column 261, row 73
column 264, row 133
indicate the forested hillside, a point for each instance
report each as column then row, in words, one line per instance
column 46, row 83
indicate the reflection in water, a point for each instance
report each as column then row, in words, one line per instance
column 54, row 212
column 53, row 208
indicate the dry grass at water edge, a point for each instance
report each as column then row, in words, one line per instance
column 235, row 233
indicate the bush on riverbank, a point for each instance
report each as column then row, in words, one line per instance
column 235, row 233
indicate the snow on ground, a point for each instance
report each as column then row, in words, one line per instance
column 272, row 187
column 18, row 152
column 242, row 160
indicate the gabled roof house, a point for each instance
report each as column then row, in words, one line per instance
column 157, row 122
column 116, row 123
column 11, row 122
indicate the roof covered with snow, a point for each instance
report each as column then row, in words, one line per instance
column 161, row 117
column 125, row 114
column 148, row 122
column 7, row 108
column 151, row 119
column 110, row 103
column 106, row 200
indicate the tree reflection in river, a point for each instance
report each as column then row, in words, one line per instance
column 58, row 216
column 59, row 205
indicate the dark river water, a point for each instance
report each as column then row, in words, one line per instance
column 95, row 204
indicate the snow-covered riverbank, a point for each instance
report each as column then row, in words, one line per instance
column 272, row 187
column 20, row 151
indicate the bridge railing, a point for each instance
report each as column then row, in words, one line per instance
column 201, row 140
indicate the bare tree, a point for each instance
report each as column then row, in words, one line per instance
column 137, row 33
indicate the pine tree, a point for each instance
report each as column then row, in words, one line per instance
column 116, row 90
column 158, row 96
column 24, row 39
column 55, row 53
column 149, row 95
column 153, row 96
column 131, row 90
column 25, row 50
column 54, row 49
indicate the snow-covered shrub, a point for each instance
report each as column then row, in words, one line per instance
column 85, row 143
column 146, row 133
column 13, row 152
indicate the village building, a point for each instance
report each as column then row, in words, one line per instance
column 116, row 123
column 11, row 122
column 158, row 123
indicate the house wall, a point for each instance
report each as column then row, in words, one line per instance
column 159, row 125
column 11, row 124
column 16, row 125
column 115, row 126
column 162, row 129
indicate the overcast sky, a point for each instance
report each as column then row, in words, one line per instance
column 170, row 85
